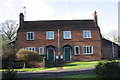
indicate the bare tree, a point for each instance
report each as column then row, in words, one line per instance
column 9, row 28
column 112, row 36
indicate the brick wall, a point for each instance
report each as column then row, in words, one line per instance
column 77, row 40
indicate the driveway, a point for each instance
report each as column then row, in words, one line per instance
column 55, row 73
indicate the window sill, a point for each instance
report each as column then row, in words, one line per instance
column 87, row 38
column 50, row 39
column 76, row 54
column 67, row 39
column 88, row 54
column 30, row 40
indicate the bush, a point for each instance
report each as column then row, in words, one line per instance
column 110, row 69
column 28, row 55
column 9, row 74
column 8, row 54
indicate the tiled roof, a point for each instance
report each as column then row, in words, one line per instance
column 58, row 24
column 107, row 42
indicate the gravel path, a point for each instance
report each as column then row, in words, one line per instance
column 56, row 73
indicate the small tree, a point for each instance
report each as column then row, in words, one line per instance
column 28, row 55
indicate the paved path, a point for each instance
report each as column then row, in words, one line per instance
column 56, row 73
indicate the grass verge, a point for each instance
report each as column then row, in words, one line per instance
column 73, row 65
column 74, row 77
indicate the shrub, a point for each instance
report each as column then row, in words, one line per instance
column 9, row 74
column 8, row 54
column 28, row 55
column 110, row 69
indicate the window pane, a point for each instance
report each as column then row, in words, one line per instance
column 67, row 34
column 41, row 50
column 84, row 50
column 87, row 49
column 77, row 52
column 30, row 48
column 50, row 35
column 31, row 36
column 87, row 34
column 33, row 49
column 28, row 35
column 90, row 49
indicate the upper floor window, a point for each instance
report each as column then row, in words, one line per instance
column 30, row 35
column 86, row 34
column 76, row 50
column 88, row 50
column 67, row 34
column 50, row 35
column 30, row 48
column 41, row 50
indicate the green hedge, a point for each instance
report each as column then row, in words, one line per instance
column 110, row 69
column 9, row 74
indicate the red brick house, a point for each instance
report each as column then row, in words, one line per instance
column 68, row 40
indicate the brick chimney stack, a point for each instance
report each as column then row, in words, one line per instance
column 95, row 17
column 21, row 20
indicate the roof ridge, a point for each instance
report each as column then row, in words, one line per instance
column 58, row 20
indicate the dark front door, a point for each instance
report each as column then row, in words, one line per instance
column 67, row 53
column 50, row 54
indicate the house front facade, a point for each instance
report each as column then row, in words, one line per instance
column 67, row 40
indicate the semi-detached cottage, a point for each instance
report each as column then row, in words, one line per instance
column 68, row 40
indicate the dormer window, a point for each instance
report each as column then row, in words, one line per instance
column 87, row 34
column 50, row 35
column 30, row 36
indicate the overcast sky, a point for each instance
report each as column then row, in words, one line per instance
column 107, row 11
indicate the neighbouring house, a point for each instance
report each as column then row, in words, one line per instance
column 118, row 51
column 109, row 49
column 67, row 40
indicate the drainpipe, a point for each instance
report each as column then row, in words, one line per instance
column 59, row 43
column 113, row 50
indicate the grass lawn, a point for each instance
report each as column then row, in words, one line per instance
column 75, row 77
column 72, row 65
column 81, row 76
column 32, row 69
column 75, row 65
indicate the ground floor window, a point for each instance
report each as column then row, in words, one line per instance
column 76, row 50
column 41, row 50
column 30, row 48
column 88, row 50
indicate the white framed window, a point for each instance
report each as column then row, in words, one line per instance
column 76, row 50
column 30, row 48
column 87, row 34
column 67, row 34
column 50, row 35
column 30, row 36
column 88, row 50
column 41, row 50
